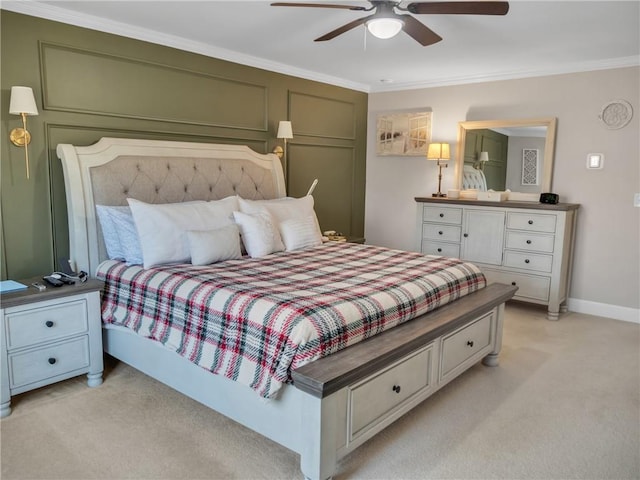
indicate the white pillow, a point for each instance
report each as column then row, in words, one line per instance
column 285, row 209
column 300, row 233
column 163, row 228
column 259, row 233
column 126, row 245
column 211, row 246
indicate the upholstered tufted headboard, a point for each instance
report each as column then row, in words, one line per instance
column 473, row 179
column 155, row 171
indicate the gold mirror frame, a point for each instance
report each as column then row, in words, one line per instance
column 549, row 146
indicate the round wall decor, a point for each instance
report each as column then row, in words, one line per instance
column 616, row 114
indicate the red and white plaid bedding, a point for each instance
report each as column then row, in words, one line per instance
column 255, row 320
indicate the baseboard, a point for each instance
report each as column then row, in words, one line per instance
column 616, row 312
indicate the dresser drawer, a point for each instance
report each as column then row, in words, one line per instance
column 49, row 361
column 528, row 261
column 532, row 287
column 373, row 399
column 533, row 222
column 439, row 248
column 533, row 242
column 445, row 233
column 31, row 326
column 465, row 344
column 442, row 215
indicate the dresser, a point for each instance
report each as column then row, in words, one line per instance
column 526, row 244
column 49, row 336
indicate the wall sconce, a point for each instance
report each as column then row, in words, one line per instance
column 482, row 159
column 285, row 132
column 22, row 103
column 439, row 151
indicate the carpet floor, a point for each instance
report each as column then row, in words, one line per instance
column 563, row 404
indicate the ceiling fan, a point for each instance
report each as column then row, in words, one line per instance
column 385, row 22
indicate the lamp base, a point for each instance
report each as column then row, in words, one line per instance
column 439, row 195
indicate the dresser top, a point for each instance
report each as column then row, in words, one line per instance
column 505, row 204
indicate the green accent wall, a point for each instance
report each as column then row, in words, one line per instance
column 90, row 84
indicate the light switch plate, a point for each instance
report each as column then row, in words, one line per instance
column 595, row 160
column 636, row 200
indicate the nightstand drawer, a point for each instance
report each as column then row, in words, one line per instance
column 50, row 361
column 446, row 233
column 31, row 326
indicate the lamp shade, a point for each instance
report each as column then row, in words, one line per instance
column 284, row 130
column 438, row 151
column 22, row 101
column 484, row 157
column 384, row 27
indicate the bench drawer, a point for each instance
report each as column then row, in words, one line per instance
column 376, row 397
column 465, row 344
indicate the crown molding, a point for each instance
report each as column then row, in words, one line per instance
column 51, row 12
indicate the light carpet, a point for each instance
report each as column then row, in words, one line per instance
column 563, row 404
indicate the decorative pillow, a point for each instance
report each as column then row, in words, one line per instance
column 300, row 233
column 259, row 233
column 285, row 209
column 109, row 233
column 120, row 220
column 163, row 227
column 211, row 246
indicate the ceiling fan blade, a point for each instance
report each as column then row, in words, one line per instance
column 419, row 31
column 343, row 29
column 459, row 8
column 317, row 5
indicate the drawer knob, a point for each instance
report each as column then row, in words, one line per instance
column 465, row 235
column 528, row 242
column 442, row 215
column 440, row 232
column 52, row 361
column 526, row 260
column 49, row 323
column 470, row 343
column 513, row 283
column 439, row 250
column 530, row 222
column 396, row 388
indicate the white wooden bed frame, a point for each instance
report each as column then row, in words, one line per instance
column 320, row 416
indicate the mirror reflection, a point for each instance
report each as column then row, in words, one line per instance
column 506, row 154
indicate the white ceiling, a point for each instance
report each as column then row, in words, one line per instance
column 534, row 38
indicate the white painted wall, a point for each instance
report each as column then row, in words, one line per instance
column 606, row 273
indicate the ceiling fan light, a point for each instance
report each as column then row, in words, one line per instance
column 384, row 27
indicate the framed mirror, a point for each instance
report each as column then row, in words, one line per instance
column 506, row 154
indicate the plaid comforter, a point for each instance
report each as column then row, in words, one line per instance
column 256, row 320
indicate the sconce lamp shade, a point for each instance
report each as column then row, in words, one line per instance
column 384, row 27
column 22, row 101
column 284, row 129
column 484, row 157
column 438, row 151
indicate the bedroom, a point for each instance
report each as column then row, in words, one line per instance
column 31, row 233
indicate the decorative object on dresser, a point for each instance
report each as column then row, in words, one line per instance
column 524, row 244
column 324, row 412
column 49, row 335
column 439, row 152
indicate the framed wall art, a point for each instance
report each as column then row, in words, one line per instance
column 404, row 133
column 530, row 161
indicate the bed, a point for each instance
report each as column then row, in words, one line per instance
column 319, row 404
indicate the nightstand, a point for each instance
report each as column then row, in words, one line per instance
column 49, row 336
